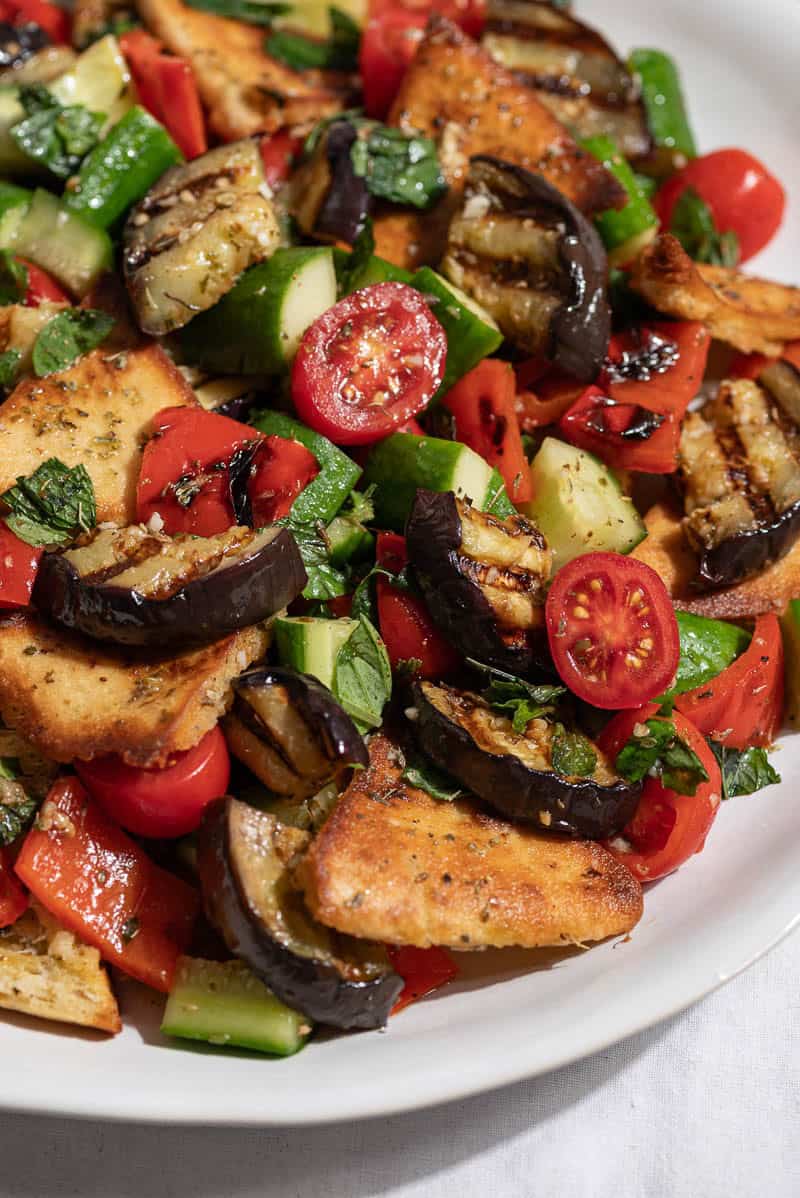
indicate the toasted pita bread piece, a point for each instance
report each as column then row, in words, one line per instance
column 98, row 413
column 73, row 698
column 47, row 972
column 665, row 549
column 458, row 95
column 393, row 864
column 244, row 90
column 754, row 315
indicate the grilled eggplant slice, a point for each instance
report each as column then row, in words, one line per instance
column 246, row 858
column 575, row 72
column 483, row 578
column 514, row 772
column 290, row 731
column 195, row 231
column 526, row 253
column 131, row 586
column 740, row 470
column 329, row 200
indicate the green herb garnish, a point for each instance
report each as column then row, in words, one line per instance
column 56, row 136
column 572, row 753
column 422, row 774
column 362, row 676
column 67, row 336
column 655, row 748
column 13, row 279
column 52, row 505
column 693, row 224
column 744, row 771
column 301, row 53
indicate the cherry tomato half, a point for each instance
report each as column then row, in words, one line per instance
column 160, row 803
column 19, row 563
column 667, row 828
column 368, row 364
column 743, row 196
column 743, row 705
column 612, row 630
column 407, row 629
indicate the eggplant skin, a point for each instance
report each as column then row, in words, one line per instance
column 290, row 731
column 303, row 982
column 457, row 603
column 576, row 807
column 748, row 552
column 206, row 609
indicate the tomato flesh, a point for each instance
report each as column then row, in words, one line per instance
column 41, row 287
column 422, row 969
column 743, row 196
column 368, row 364
column 483, row 405
column 160, row 803
column 612, row 630
column 19, row 563
column 13, row 896
column 743, row 705
column 102, row 886
column 407, row 629
column 667, row 828
column 278, row 153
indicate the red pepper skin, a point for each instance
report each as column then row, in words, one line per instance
column 422, row 969
column 278, row 153
column 41, row 287
column 749, row 366
column 743, row 705
column 483, row 405
column 168, row 90
column 407, row 629
column 103, row 887
column 600, row 425
column 19, row 563
column 49, row 17
column 13, row 896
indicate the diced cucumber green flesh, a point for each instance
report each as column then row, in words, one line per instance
column 347, row 540
column 403, row 462
column 225, row 1004
column 326, row 493
column 471, row 332
column 579, row 505
column 63, row 244
column 311, row 645
column 256, row 328
column 790, row 628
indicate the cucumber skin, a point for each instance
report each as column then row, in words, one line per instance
column 377, row 270
column 618, row 228
column 338, row 474
column 469, row 339
column 122, row 169
column 241, row 333
column 225, row 1004
column 291, row 644
column 348, row 541
column 62, row 228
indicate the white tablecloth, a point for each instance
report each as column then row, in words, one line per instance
column 705, row 1105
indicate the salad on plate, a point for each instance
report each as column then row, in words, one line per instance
column 399, row 500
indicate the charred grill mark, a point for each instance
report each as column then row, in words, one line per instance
column 252, row 721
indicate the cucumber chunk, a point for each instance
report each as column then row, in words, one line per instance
column 404, row 462
column 348, row 540
column 100, row 81
column 257, row 327
column 311, row 645
column 226, row 1005
column 579, row 505
column 63, row 244
column 13, row 161
column 14, row 203
column 471, row 332
column 326, row 493
column 375, row 270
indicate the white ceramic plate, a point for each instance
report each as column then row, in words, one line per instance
column 512, row 1015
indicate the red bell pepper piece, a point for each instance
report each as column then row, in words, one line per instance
column 49, row 17
column 13, row 896
column 41, row 287
column 483, row 404
column 278, row 153
column 749, row 366
column 666, row 388
column 282, row 470
column 180, row 105
column 743, row 705
column 18, row 565
column 102, row 886
column 626, row 436
column 544, row 393
column 168, row 90
column 407, row 629
column 422, row 969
